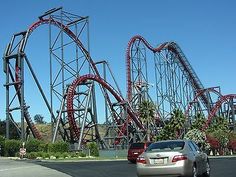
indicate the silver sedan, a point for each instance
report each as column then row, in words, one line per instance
column 173, row 158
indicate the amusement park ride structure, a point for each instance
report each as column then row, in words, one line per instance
column 162, row 75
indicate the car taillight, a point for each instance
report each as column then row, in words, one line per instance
column 141, row 160
column 179, row 157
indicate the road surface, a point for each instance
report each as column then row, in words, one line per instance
column 221, row 167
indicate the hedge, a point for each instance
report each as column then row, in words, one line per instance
column 93, row 147
column 2, row 145
column 12, row 147
column 58, row 147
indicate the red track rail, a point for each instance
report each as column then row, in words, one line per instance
column 128, row 60
column 69, row 33
column 70, row 95
column 85, row 52
column 217, row 106
column 72, row 36
column 199, row 94
column 169, row 46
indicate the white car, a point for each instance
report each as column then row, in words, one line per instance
column 175, row 158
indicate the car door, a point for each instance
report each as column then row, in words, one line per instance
column 201, row 158
column 197, row 157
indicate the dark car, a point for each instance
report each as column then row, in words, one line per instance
column 135, row 150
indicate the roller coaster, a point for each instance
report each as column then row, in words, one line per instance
column 160, row 74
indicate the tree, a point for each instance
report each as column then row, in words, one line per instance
column 198, row 136
column 172, row 130
column 146, row 114
column 166, row 133
column 218, row 129
column 198, row 122
column 2, row 145
column 13, row 131
column 218, row 123
column 177, row 121
column 38, row 118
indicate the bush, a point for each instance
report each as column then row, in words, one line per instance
column 12, row 147
column 57, row 155
column 93, row 147
column 58, row 147
column 33, row 145
column 45, row 155
column 81, row 154
column 73, row 154
column 65, row 154
column 198, row 137
column 32, row 155
column 221, row 136
column 2, row 145
column 40, row 154
column 43, row 147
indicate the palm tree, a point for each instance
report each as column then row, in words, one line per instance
column 177, row 121
column 198, row 122
column 146, row 114
column 219, row 123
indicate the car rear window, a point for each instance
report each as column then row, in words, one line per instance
column 166, row 146
column 137, row 146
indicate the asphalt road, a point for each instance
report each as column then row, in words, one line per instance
column 221, row 167
column 16, row 168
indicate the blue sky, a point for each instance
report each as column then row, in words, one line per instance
column 204, row 29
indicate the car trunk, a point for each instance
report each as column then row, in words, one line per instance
column 162, row 158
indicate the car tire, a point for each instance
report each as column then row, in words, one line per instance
column 194, row 171
column 132, row 161
column 208, row 170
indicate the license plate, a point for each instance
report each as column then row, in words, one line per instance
column 158, row 161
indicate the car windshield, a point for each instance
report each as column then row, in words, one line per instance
column 137, row 146
column 166, row 146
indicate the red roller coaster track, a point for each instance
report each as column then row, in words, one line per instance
column 71, row 94
column 91, row 62
column 196, row 83
column 199, row 94
column 128, row 60
column 217, row 106
column 71, row 35
column 170, row 46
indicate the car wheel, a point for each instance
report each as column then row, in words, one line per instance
column 132, row 161
column 208, row 170
column 194, row 170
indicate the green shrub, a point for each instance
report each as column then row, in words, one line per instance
column 33, row 145
column 58, row 147
column 198, row 137
column 81, row 154
column 2, row 145
column 40, row 154
column 65, row 154
column 45, row 155
column 73, row 154
column 57, row 155
column 32, row 155
column 43, row 147
column 93, row 147
column 12, row 147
